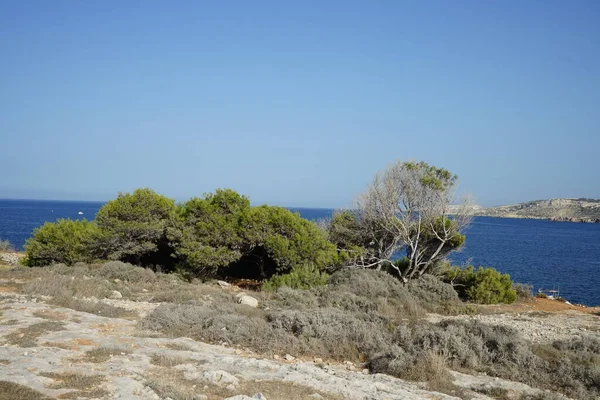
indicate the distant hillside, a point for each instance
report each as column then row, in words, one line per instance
column 575, row 210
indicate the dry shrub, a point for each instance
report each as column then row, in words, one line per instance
column 496, row 350
column 86, row 385
column 332, row 333
column 126, row 272
column 57, row 285
column 164, row 360
column 92, row 307
column 179, row 346
column 15, row 391
column 524, row 291
column 432, row 293
column 221, row 322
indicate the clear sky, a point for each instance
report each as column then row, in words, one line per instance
column 298, row 103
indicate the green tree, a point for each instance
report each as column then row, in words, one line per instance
column 64, row 241
column 210, row 233
column 277, row 240
column 133, row 228
column 221, row 234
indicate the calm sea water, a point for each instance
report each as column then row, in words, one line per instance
column 546, row 254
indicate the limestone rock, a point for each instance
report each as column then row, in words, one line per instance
column 115, row 294
column 248, row 301
column 220, row 378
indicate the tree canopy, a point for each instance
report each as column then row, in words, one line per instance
column 406, row 209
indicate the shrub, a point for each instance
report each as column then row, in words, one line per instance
column 64, row 241
column 134, row 226
column 524, row 291
column 221, row 234
column 5, row 245
column 126, row 272
column 300, row 277
column 209, row 232
column 541, row 295
column 279, row 240
column 433, row 292
column 482, row 285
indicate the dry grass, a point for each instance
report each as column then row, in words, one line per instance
column 432, row 369
column 102, row 354
column 174, row 386
column 86, row 386
column 27, row 336
column 14, row 391
column 92, row 307
column 169, row 361
column 50, row 314
column 4, row 361
column 59, row 345
column 180, row 346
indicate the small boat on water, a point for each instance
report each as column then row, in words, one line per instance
column 80, row 213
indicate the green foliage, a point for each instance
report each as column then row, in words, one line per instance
column 430, row 242
column 432, row 177
column 209, row 233
column 64, row 241
column 221, row 234
column 133, row 228
column 300, row 277
column 288, row 240
column 481, row 285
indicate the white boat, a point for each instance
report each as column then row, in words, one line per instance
column 80, row 213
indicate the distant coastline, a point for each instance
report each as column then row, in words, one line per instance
column 560, row 209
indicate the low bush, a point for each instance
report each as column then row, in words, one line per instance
column 541, row 295
column 481, row 285
column 351, row 318
column 524, row 291
column 64, row 241
column 568, row 367
column 433, row 293
column 5, row 245
column 301, row 277
column 126, row 272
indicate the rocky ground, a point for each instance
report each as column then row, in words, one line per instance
column 47, row 351
column 540, row 321
column 61, row 353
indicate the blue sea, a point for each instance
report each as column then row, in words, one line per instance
column 548, row 255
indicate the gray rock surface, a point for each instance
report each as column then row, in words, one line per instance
column 131, row 373
column 127, row 373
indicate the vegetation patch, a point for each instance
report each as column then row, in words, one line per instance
column 27, row 336
column 481, row 285
column 86, row 386
column 102, row 354
column 15, row 391
column 50, row 314
column 92, row 307
column 179, row 346
column 163, row 360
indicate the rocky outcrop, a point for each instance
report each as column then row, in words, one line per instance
column 10, row 258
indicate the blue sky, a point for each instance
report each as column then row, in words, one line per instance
column 298, row 103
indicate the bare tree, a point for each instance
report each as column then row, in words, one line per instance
column 408, row 206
